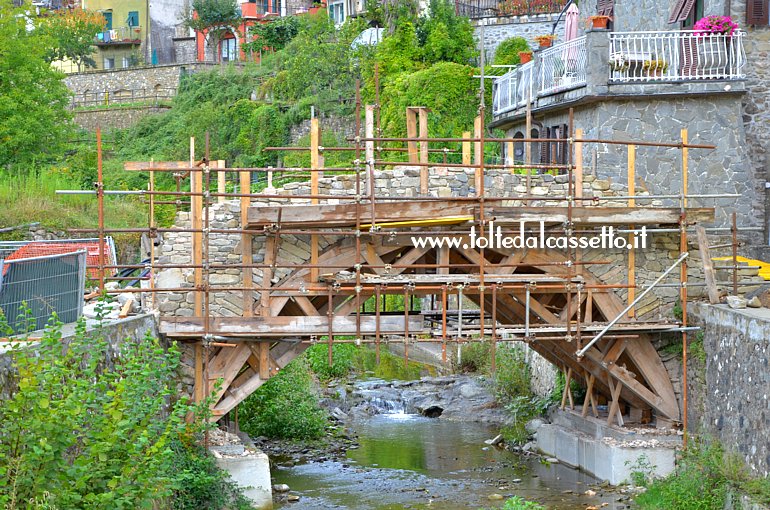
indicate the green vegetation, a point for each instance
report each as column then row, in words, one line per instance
column 507, row 53
column 85, row 428
column 33, row 98
column 286, row 406
column 519, row 503
column 214, row 18
column 72, row 35
column 705, row 474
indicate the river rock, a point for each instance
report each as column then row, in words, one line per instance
column 495, row 497
column 495, row 441
column 281, row 487
column 292, row 498
column 736, row 302
column 754, row 303
column 533, row 425
column 339, row 415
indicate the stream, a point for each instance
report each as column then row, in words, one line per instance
column 407, row 461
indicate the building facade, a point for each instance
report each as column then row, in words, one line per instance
column 650, row 76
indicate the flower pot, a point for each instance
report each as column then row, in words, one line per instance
column 545, row 43
column 525, row 56
column 600, row 21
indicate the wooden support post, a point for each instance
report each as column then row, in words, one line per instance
column 411, row 132
column 478, row 153
column 708, row 265
column 685, row 154
column 590, row 399
column 632, row 251
column 315, row 165
column 152, row 298
column 528, row 145
column 196, row 213
column 198, row 388
column 579, row 167
column 467, row 148
column 567, row 393
column 614, row 411
column 264, row 360
column 246, row 245
column 424, row 169
column 221, row 182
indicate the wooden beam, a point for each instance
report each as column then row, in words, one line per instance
column 196, row 213
column 221, row 179
column 466, row 147
column 708, row 265
column 578, row 167
column 632, row 252
column 341, row 215
column 315, row 165
column 424, row 170
column 143, row 166
column 478, row 153
column 285, row 325
column 247, row 256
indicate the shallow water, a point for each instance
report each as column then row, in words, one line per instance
column 410, row 462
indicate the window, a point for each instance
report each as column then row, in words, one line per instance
column 229, row 52
column 109, row 63
column 108, row 20
column 133, row 19
column 757, row 12
column 553, row 152
column 126, row 62
column 337, row 12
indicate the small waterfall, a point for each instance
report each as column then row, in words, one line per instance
column 387, row 406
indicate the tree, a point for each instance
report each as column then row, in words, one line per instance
column 214, row 19
column 33, row 97
column 72, row 35
column 274, row 35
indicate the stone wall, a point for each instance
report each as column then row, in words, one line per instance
column 161, row 77
column 115, row 117
column 185, row 50
column 736, row 392
column 497, row 30
column 342, row 127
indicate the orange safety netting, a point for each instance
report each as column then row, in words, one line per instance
column 37, row 249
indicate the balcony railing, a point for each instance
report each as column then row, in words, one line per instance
column 476, row 9
column 675, row 56
column 119, row 35
column 563, row 67
column 513, row 89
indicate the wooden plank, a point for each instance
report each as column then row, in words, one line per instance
column 285, row 325
column 264, row 360
column 708, row 265
column 143, row 166
column 341, row 215
column 372, row 258
column 307, row 307
column 126, row 308
column 315, row 164
column 247, row 256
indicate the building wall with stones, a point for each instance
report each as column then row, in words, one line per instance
column 732, row 391
column 709, row 119
column 342, row 127
column 499, row 29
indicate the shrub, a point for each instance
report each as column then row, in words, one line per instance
column 507, row 53
column 475, row 357
column 89, row 433
column 286, row 406
column 343, row 356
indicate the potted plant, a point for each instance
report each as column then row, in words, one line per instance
column 545, row 41
column 599, row 21
column 525, row 56
column 656, row 67
column 618, row 63
column 714, row 37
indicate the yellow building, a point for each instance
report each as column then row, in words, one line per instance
column 125, row 39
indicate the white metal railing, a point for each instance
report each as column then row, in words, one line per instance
column 513, row 89
column 563, row 67
column 675, row 56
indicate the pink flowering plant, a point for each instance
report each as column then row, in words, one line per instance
column 715, row 25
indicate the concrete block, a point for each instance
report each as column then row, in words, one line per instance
column 251, row 473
